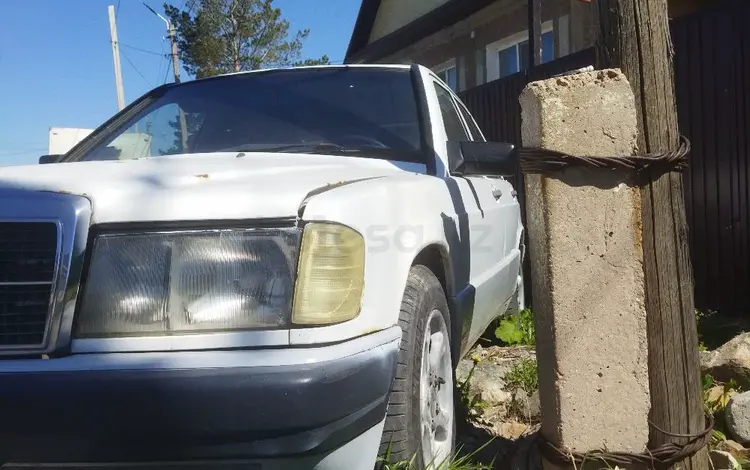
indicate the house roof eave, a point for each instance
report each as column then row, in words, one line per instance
column 368, row 11
column 440, row 18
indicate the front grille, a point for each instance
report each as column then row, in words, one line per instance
column 28, row 254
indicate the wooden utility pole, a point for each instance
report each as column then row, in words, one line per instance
column 176, row 71
column 116, row 57
column 535, row 32
column 634, row 36
column 175, row 60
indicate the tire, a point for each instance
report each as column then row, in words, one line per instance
column 424, row 305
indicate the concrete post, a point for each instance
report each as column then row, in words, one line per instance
column 584, row 230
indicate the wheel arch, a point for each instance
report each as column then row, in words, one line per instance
column 436, row 258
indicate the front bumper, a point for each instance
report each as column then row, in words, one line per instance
column 208, row 405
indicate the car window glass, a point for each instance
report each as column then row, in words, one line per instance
column 357, row 109
column 158, row 133
column 475, row 132
column 454, row 128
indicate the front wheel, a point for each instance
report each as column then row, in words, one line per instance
column 420, row 423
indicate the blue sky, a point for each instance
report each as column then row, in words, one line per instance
column 56, row 61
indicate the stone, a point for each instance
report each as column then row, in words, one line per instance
column 730, row 361
column 737, row 415
column 487, row 380
column 584, row 228
column 511, row 430
column 530, row 406
column 721, row 460
column 737, row 450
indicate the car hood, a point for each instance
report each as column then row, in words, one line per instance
column 218, row 186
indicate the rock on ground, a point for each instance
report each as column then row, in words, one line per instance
column 497, row 436
column 735, row 448
column 487, row 382
column 494, row 363
column 488, row 449
column 721, row 460
column 730, row 361
column 737, row 415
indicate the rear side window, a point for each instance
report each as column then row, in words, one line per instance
column 454, row 129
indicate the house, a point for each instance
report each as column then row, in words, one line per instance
column 471, row 42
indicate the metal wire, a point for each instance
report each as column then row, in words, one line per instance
column 663, row 456
column 543, row 161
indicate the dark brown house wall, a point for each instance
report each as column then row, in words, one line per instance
column 679, row 8
column 466, row 40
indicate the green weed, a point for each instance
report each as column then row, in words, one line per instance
column 523, row 376
column 517, row 330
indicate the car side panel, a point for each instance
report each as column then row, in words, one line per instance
column 398, row 216
column 496, row 259
column 492, row 210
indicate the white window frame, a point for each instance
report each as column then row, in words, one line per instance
column 445, row 66
column 493, row 61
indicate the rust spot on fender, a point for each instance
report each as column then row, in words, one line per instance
column 202, row 176
column 368, row 331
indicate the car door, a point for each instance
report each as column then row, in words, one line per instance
column 484, row 202
column 507, row 206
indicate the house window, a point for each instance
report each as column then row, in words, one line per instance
column 511, row 55
column 515, row 58
column 448, row 73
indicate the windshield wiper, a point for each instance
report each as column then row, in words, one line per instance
column 319, row 147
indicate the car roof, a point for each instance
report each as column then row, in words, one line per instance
column 309, row 67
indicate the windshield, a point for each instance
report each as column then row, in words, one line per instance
column 372, row 112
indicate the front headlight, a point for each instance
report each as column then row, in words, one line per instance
column 181, row 282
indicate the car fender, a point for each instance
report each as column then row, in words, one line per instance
column 398, row 216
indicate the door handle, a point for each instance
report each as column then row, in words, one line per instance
column 497, row 193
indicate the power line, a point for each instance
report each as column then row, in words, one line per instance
column 169, row 62
column 165, row 58
column 161, row 54
column 117, row 10
column 136, row 69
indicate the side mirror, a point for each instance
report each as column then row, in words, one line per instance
column 482, row 158
column 49, row 158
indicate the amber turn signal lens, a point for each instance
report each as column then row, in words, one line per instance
column 330, row 275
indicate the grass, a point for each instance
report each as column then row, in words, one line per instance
column 523, row 376
column 455, row 462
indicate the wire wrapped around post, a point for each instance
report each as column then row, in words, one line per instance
column 664, row 456
column 543, row 161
